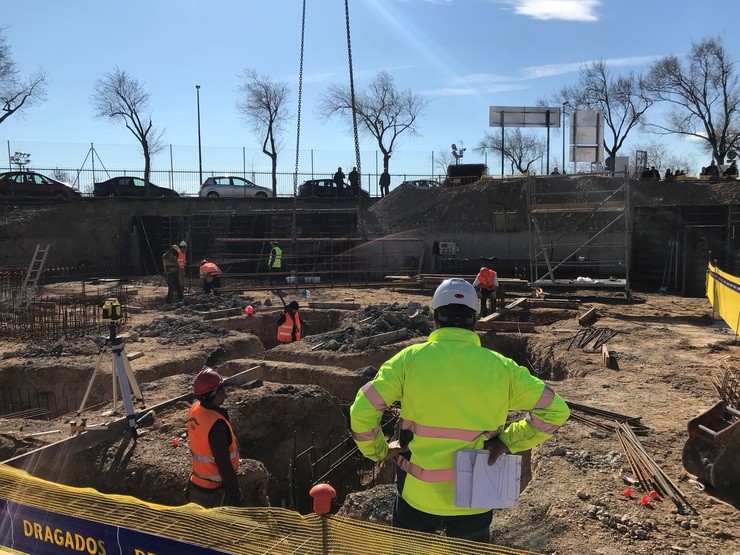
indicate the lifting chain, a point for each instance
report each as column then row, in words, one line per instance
column 360, row 218
column 298, row 127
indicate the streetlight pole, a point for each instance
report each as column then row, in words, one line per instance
column 200, row 156
column 563, row 130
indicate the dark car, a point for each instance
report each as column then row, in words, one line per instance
column 129, row 187
column 232, row 187
column 326, row 188
column 30, row 184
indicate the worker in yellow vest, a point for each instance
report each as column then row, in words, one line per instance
column 213, row 445
column 454, row 395
column 289, row 324
column 275, row 262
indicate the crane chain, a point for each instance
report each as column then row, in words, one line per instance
column 360, row 218
column 293, row 234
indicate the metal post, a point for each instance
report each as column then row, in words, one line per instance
column 575, row 140
column 172, row 171
column 200, row 156
column 562, row 165
column 502, row 144
column 547, row 123
column 92, row 157
column 10, row 164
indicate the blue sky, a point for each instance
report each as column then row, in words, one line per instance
column 463, row 55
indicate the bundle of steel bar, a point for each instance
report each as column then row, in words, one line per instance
column 584, row 336
column 727, row 384
column 633, row 421
column 647, row 471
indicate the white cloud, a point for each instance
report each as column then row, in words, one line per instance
column 566, row 10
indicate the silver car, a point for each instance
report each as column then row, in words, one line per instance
column 232, row 187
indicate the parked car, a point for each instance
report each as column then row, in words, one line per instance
column 326, row 188
column 232, row 187
column 422, row 183
column 125, row 186
column 30, row 184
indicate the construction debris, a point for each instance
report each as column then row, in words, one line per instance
column 374, row 325
column 727, row 383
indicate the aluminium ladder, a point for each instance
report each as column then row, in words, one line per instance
column 28, row 290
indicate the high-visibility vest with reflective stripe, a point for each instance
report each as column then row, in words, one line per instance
column 454, row 395
column 181, row 260
column 276, row 257
column 487, row 278
column 205, row 472
column 285, row 330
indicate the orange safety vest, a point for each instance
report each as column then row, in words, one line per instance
column 285, row 330
column 205, row 472
column 209, row 269
column 181, row 260
column 487, row 279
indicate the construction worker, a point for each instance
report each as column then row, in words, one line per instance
column 289, row 324
column 454, row 395
column 486, row 282
column 275, row 261
column 182, row 261
column 209, row 276
column 172, row 273
column 213, row 445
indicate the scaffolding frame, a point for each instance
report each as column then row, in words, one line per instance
column 608, row 207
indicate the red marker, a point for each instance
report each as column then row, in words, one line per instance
column 627, row 492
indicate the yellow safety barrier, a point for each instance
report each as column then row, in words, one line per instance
column 43, row 517
column 723, row 291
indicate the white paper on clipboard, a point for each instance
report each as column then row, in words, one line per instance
column 480, row 486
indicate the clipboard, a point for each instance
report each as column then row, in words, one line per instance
column 480, row 486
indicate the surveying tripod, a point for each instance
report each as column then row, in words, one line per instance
column 120, row 368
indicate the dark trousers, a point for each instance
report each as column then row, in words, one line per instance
column 173, row 286
column 487, row 299
column 467, row 527
column 207, row 498
column 212, row 285
column 275, row 275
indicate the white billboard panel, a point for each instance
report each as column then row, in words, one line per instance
column 587, row 136
column 523, row 116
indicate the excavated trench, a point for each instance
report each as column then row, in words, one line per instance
column 286, row 421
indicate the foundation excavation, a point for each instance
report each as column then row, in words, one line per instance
column 641, row 465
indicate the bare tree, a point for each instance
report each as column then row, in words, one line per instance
column 442, row 159
column 383, row 111
column 120, row 96
column 263, row 106
column 662, row 157
column 17, row 93
column 704, row 96
column 520, row 149
column 622, row 99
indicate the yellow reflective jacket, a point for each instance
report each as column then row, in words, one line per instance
column 454, row 395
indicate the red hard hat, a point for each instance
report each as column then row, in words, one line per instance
column 206, row 381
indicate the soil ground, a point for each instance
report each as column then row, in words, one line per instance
column 666, row 350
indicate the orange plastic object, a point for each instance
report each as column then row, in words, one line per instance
column 645, row 500
column 627, row 492
column 249, row 310
column 175, row 442
column 322, row 495
column 654, row 494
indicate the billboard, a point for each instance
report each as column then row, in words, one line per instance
column 587, row 136
column 523, row 116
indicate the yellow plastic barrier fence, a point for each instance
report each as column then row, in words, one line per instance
column 723, row 291
column 41, row 517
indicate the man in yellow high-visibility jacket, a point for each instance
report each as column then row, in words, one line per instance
column 454, row 395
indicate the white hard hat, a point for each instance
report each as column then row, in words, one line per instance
column 183, row 244
column 455, row 291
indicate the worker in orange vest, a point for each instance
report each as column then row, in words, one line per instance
column 172, row 273
column 213, row 445
column 209, row 276
column 289, row 324
column 486, row 282
column 182, row 261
